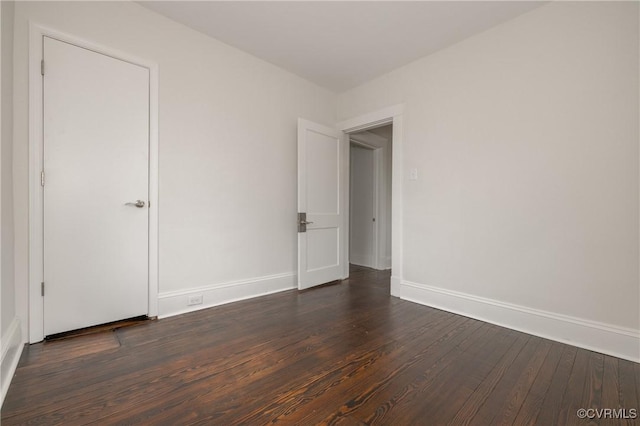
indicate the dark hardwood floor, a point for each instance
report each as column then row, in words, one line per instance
column 343, row 354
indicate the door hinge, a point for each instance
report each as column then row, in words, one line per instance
column 42, row 288
column 42, row 67
column 42, row 178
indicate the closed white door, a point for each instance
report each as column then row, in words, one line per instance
column 96, row 168
column 322, row 153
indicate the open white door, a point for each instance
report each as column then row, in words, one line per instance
column 322, row 156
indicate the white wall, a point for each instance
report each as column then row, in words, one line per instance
column 525, row 138
column 10, row 333
column 6, row 191
column 361, row 203
column 227, row 146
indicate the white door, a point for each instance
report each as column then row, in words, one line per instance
column 322, row 156
column 362, row 230
column 96, row 167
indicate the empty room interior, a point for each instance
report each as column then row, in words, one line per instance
column 325, row 212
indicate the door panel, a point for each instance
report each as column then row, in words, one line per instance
column 323, row 248
column 321, row 195
column 96, row 159
column 323, row 189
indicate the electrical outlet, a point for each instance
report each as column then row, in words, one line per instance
column 194, row 300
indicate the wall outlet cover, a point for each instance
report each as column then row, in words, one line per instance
column 194, row 300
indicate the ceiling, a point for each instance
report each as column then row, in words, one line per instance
column 340, row 44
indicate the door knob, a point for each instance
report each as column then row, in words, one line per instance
column 302, row 222
column 139, row 204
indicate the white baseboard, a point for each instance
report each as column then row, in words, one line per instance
column 385, row 262
column 361, row 260
column 595, row 336
column 11, row 350
column 176, row 302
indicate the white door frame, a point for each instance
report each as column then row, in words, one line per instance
column 391, row 115
column 377, row 169
column 35, row 313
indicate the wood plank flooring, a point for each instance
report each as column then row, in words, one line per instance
column 342, row 354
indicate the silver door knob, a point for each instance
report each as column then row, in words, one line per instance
column 139, row 204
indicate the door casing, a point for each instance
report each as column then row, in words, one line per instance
column 390, row 115
column 34, row 311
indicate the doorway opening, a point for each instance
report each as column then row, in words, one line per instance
column 370, row 172
column 328, row 183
